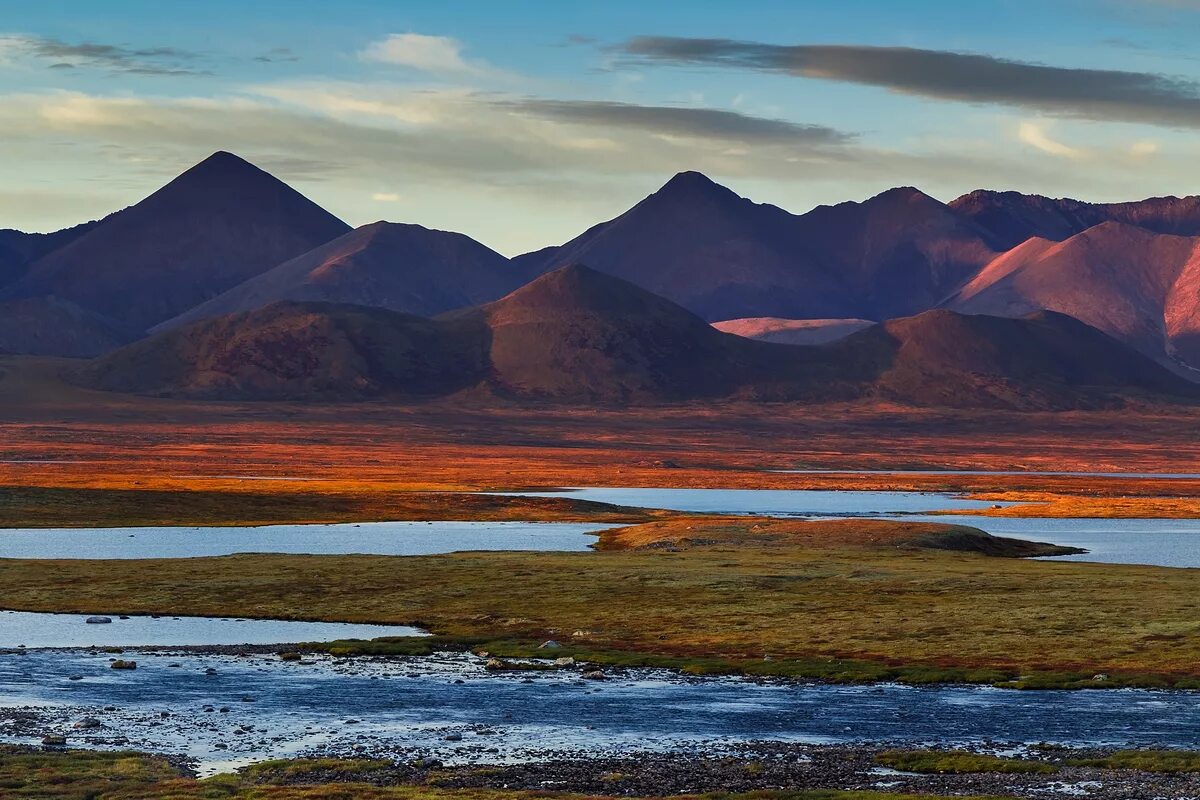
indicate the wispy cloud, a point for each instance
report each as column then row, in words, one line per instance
column 1096, row 94
column 57, row 54
column 677, row 120
column 1035, row 136
column 433, row 54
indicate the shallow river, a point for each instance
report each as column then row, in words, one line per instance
column 409, row 704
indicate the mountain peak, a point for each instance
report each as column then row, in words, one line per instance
column 223, row 166
column 692, row 184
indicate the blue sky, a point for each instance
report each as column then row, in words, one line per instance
column 522, row 123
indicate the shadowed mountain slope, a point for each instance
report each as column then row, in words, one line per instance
column 579, row 336
column 19, row 249
column 400, row 267
column 724, row 257
column 303, row 351
column 1041, row 361
column 219, row 223
column 49, row 326
column 576, row 333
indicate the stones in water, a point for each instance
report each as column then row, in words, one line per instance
column 54, row 741
column 120, row 664
column 87, row 724
column 594, row 675
column 98, row 620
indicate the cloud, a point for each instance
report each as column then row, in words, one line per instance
column 434, row 54
column 385, row 197
column 705, row 123
column 1095, row 94
column 1032, row 134
column 162, row 61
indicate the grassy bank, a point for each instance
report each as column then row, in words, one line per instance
column 83, row 775
column 696, row 592
column 40, row 507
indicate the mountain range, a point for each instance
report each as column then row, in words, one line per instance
column 227, row 281
column 580, row 336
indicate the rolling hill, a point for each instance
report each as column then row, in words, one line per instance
column 219, row 223
column 577, row 336
column 400, row 267
column 299, row 351
column 1043, row 360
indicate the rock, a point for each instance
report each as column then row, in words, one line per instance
column 98, row 620
column 210, row 671
column 565, row 661
column 54, row 741
column 453, row 737
column 119, row 664
column 497, row 664
column 549, row 645
column 87, row 724
column 594, row 675
column 1100, row 676
column 75, row 678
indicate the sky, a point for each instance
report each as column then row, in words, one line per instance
column 523, row 123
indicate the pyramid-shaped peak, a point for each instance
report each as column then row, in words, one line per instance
column 691, row 184
column 902, row 194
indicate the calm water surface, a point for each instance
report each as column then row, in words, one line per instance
column 778, row 502
column 19, row 628
column 374, row 538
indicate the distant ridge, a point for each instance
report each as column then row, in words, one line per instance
column 725, row 257
column 219, row 223
column 1012, row 217
column 396, row 266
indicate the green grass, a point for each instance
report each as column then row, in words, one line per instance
column 958, row 762
column 40, row 507
column 1172, row 761
column 84, row 775
column 833, row 612
column 77, row 774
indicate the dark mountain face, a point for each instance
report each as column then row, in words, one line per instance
column 300, row 351
column 725, row 257
column 48, row 326
column 579, row 334
column 211, row 228
column 1012, row 217
column 405, row 268
column 18, row 249
column 1044, row 360
column 717, row 254
column 576, row 335
column 897, row 253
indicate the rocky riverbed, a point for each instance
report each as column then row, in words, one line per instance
column 450, row 719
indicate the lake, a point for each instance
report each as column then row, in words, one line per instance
column 29, row 629
column 374, row 538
